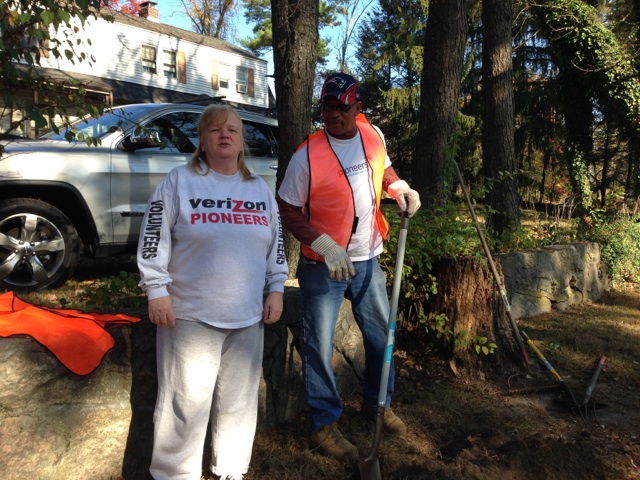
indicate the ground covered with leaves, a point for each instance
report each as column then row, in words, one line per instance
column 508, row 426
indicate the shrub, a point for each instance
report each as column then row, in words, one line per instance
column 434, row 233
column 619, row 239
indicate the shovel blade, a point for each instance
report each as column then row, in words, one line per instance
column 370, row 469
column 370, row 466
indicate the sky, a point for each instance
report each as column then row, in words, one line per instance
column 172, row 13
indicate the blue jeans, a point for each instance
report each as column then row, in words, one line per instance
column 321, row 301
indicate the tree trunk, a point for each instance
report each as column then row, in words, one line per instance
column 607, row 158
column 498, row 142
column 545, row 165
column 295, row 47
column 632, row 183
column 468, row 296
column 578, row 114
column 445, row 35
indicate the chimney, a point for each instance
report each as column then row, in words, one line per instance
column 149, row 11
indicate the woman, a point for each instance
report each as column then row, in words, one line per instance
column 210, row 246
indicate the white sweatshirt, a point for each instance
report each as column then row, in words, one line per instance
column 213, row 243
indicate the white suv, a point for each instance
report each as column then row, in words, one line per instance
column 60, row 200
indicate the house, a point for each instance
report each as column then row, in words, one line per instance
column 137, row 59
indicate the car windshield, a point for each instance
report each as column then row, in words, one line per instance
column 118, row 117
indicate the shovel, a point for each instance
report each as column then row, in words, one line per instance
column 370, row 466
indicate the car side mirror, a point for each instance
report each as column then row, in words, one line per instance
column 145, row 138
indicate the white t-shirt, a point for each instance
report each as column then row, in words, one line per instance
column 214, row 244
column 366, row 242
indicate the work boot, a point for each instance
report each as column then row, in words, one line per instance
column 390, row 421
column 330, row 441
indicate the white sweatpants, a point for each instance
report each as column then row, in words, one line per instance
column 205, row 373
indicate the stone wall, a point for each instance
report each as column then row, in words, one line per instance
column 553, row 277
column 56, row 425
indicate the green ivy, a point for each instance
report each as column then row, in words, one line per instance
column 576, row 29
column 619, row 239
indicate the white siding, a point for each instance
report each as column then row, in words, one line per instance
column 117, row 51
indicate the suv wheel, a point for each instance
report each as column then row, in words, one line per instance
column 39, row 246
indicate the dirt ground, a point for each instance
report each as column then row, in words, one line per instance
column 461, row 427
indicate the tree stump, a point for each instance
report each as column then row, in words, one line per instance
column 469, row 297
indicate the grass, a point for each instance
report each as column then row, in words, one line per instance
column 98, row 285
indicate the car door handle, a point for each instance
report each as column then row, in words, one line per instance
column 273, row 167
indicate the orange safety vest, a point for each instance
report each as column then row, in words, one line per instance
column 330, row 208
column 78, row 339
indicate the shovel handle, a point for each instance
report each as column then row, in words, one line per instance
column 594, row 379
column 393, row 310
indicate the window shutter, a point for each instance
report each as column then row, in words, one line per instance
column 214, row 75
column 252, row 90
column 182, row 67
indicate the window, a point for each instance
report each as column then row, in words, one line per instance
column 177, row 130
column 169, row 64
column 241, row 80
column 259, row 140
column 223, row 75
column 149, row 59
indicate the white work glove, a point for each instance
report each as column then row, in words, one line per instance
column 335, row 257
column 408, row 199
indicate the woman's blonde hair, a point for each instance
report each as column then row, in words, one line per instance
column 217, row 114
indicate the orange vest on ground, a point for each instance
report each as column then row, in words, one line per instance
column 78, row 339
column 330, row 208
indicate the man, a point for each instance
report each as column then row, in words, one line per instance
column 330, row 201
